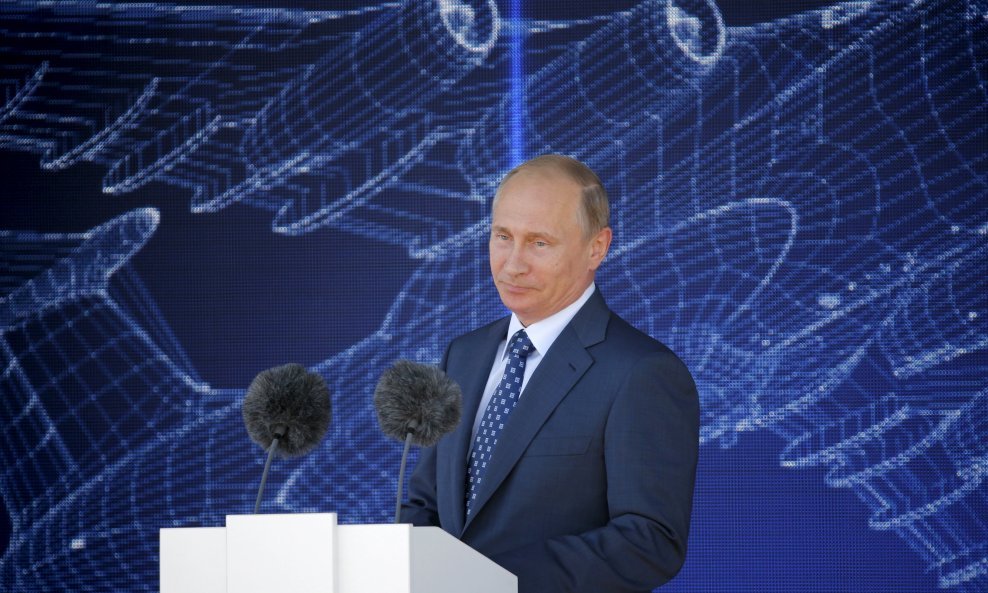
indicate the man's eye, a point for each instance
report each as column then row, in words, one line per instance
column 541, row 244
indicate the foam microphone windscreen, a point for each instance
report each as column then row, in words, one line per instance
column 291, row 401
column 416, row 398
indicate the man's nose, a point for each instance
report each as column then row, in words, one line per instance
column 515, row 262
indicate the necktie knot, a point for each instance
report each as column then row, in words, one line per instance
column 521, row 344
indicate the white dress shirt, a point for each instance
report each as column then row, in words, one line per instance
column 542, row 334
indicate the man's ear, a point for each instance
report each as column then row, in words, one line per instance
column 599, row 245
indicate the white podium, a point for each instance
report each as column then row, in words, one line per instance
column 310, row 553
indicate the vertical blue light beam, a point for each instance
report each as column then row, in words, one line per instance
column 517, row 85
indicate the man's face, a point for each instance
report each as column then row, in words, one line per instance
column 540, row 259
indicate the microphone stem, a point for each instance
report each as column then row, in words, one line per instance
column 401, row 476
column 264, row 476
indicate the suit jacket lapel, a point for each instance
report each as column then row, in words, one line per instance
column 557, row 373
column 453, row 474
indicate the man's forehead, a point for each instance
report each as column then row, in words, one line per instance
column 542, row 209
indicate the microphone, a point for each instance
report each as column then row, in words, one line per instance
column 416, row 403
column 287, row 411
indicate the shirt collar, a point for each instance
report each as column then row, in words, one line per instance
column 543, row 333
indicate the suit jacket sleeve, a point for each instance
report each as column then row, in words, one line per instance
column 651, row 445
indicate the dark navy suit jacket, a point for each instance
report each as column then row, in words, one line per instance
column 590, row 486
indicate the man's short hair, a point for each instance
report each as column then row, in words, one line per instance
column 595, row 213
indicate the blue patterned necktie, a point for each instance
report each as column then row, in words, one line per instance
column 496, row 415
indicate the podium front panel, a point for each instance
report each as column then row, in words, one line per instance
column 291, row 552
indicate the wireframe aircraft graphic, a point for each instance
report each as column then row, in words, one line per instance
column 311, row 114
column 799, row 208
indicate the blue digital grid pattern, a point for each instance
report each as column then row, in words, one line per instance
column 800, row 209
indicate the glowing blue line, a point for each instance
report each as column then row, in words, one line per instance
column 517, row 88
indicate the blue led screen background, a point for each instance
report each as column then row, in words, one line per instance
column 192, row 194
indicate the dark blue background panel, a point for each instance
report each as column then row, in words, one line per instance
column 193, row 193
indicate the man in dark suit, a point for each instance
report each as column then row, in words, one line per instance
column 574, row 464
